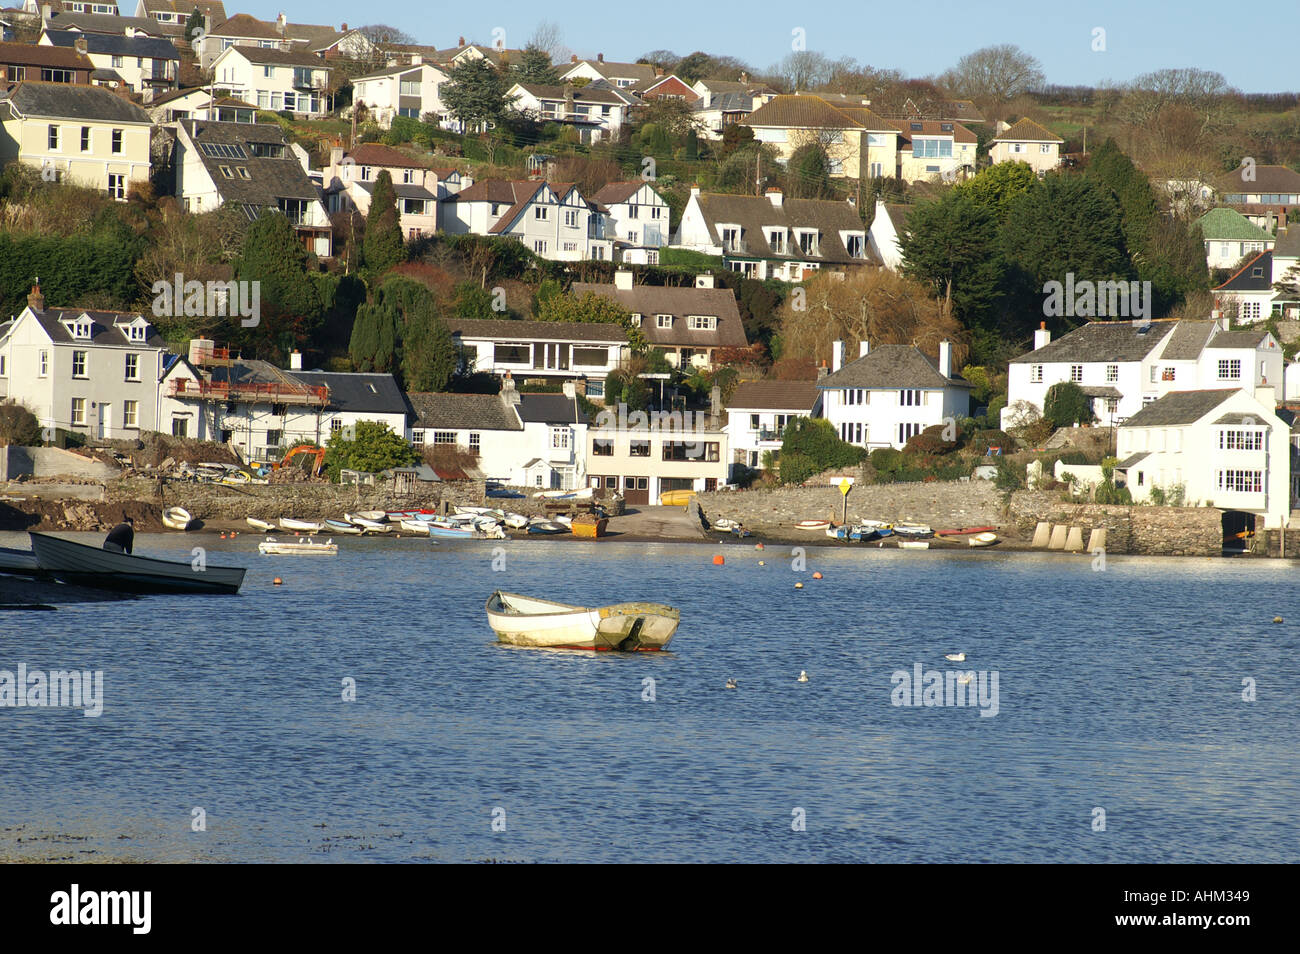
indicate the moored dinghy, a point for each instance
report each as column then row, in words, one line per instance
column 177, row 518
column 301, row 526
column 983, row 540
column 272, row 545
column 342, row 526
column 629, row 627
column 103, row 569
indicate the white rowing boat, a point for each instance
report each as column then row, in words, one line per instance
column 629, row 627
column 264, row 525
column 982, row 539
column 913, row 544
column 272, row 545
column 177, row 518
column 301, row 526
column 420, row 527
column 812, row 524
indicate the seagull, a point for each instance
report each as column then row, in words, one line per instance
column 955, row 657
column 803, row 676
column 731, row 684
column 965, row 678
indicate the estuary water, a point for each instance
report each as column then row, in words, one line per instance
column 1120, row 734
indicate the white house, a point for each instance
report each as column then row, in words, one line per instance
column 1229, row 237
column 891, row 393
column 274, row 79
column 147, row 65
column 643, row 459
column 1248, row 295
column 1225, row 448
column 553, row 220
column 596, row 111
column 411, row 90
column 1123, row 366
column 621, row 75
column 584, row 352
column 94, row 373
column 758, row 413
column 636, row 217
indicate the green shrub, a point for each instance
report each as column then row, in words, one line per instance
column 1066, row 405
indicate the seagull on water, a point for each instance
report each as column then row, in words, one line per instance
column 955, row 657
column 731, row 684
column 803, row 676
column 965, row 678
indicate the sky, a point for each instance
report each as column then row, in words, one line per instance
column 1252, row 44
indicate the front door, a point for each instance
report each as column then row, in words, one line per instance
column 105, row 420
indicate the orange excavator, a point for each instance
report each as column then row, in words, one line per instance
column 311, row 450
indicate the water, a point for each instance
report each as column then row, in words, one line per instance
column 1118, row 690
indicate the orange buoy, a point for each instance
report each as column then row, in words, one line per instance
column 798, row 586
column 277, row 581
column 758, row 546
column 718, row 560
column 817, row 575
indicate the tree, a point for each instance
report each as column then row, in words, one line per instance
column 401, row 332
column 803, row 70
column 951, row 245
column 1066, row 405
column 995, row 187
column 590, row 307
column 535, row 66
column 808, row 173
column 810, row 446
column 995, row 74
column 367, row 446
column 193, row 25
column 694, row 66
column 476, row 93
column 290, row 302
column 18, row 425
column 382, row 247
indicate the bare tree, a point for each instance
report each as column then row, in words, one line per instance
column 804, row 69
column 547, row 36
column 995, row 74
column 1177, row 109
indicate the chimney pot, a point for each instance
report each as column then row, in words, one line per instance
column 573, row 57
column 837, row 356
column 600, row 57
column 295, row 360
column 460, row 41
column 945, row 358
column 864, row 348
column 35, row 300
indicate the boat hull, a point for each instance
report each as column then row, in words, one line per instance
column 23, row 562
column 102, row 569
column 300, row 526
column 263, row 525
column 546, row 624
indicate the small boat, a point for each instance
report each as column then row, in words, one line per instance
column 473, row 511
column 812, row 525
column 515, row 521
column 502, row 492
column 584, row 493
column 96, row 567
column 724, row 525
column 913, row 531
column 877, row 525
column 914, row 544
column 13, row 560
column 368, row 524
column 377, row 515
column 177, row 518
column 564, row 520
column 983, row 540
column 676, row 498
column 393, row 516
column 272, row 545
column 628, row 627
column 420, row 527
column 547, row 526
column 301, row 526
column 342, row 526
column 963, row 531
column 440, row 528
column 264, row 525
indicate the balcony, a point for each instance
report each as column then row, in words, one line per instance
column 249, row 392
column 735, row 247
column 303, row 80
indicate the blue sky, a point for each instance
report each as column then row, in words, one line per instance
column 1252, row 44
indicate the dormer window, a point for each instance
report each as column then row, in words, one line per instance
column 808, row 242
column 702, row 322
column 855, row 244
column 663, row 321
column 80, row 328
column 776, row 241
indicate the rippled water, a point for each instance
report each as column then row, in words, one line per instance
column 1118, row 690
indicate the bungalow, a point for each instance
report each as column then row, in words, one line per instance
column 584, row 352
column 551, row 219
column 770, row 236
column 1230, row 236
column 1265, row 194
column 1225, row 448
column 274, row 79
column 198, row 103
column 596, row 111
column 142, row 64
column 254, row 167
column 82, row 134
column 350, row 179
column 1027, row 142
column 687, row 324
column 619, row 75
column 636, row 218
column 891, row 393
column 758, row 413
column 410, row 90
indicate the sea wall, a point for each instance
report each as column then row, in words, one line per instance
column 1153, row 531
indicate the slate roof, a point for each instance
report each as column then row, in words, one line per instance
column 638, row 71
column 107, row 23
column 1132, row 460
column 754, row 213
column 1100, row 391
column 375, row 393
column 1188, row 340
column 891, row 366
column 1229, row 225
column 481, row 412
column 1179, row 407
column 652, row 300
column 504, row 328
column 29, row 54
column 103, row 329
column 1268, row 179
column 1288, row 243
column 550, row 409
column 247, row 27
column 581, row 94
column 612, row 193
column 74, row 101
column 774, row 396
column 1240, row 338
column 377, row 154
column 1097, row 341
column 266, row 57
column 1255, row 276
column 1241, row 419
column 1026, row 130
column 269, row 178
column 108, row 44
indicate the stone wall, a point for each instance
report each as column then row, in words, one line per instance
column 1154, row 531
column 50, row 462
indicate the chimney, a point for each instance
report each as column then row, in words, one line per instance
column 945, row 358
column 343, row 28
column 659, row 71
column 295, row 360
column 704, row 281
column 573, row 57
column 837, row 356
column 864, row 348
column 80, row 45
column 509, row 396
column 695, row 190
column 600, row 57
column 1267, row 397
column 45, row 13
column 281, row 23
column 1042, row 336
column 35, row 300
column 200, row 349
column 822, row 370
column 715, row 405
column 460, row 41
column 775, row 196
column 570, row 390
column 623, row 280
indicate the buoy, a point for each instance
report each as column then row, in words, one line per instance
column 798, row 586
column 718, row 560
column 1277, row 619
column 817, row 575
column 277, row 581
column 223, row 536
column 758, row 546
column 762, row 563
column 803, row 676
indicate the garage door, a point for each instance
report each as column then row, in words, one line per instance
column 636, row 490
column 604, row 486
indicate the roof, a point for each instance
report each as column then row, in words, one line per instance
column 1268, row 179
column 214, row 8
column 581, row 94
column 1026, row 130
column 1188, row 340
column 1240, row 338
column 775, row 395
column 801, row 112
column 891, row 366
column 377, row 154
column 374, row 393
column 898, row 216
column 104, row 329
column 397, row 69
column 505, row 328
column 754, row 213
column 74, row 101
column 612, row 193
column 908, row 128
column 268, row 57
column 1100, row 391
column 29, row 54
column 1132, row 460
column 638, row 71
column 270, row 178
column 110, row 44
column 1288, row 243
column 1229, row 225
column 651, row 300
column 402, row 190
column 1241, row 419
column 1255, row 276
column 480, row 412
column 1179, row 407
column 550, row 409
column 516, row 193
column 868, row 119
column 107, row 23
column 243, row 25
column 1097, row 341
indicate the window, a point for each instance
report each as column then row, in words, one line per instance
column 663, row 321
column 571, row 218
column 636, row 320
column 223, row 150
column 417, row 438
column 512, row 353
column 931, row 148
column 590, row 357
column 909, row 397
column 78, row 410
column 907, row 431
column 539, row 246
column 444, row 437
column 702, row 322
column 1112, row 405
column 690, row 450
column 559, row 438
column 595, row 389
column 85, row 139
column 602, row 447
column 274, row 438
column 856, row 246
column 56, row 76
column 1229, row 369
column 541, row 213
column 776, row 241
column 78, row 364
column 117, row 141
column 1241, row 481
column 1112, row 373
column 1076, row 373
column 1166, row 374
column 133, row 367
column 1036, row 373
column 639, row 449
column 52, row 138
column 808, row 243
column 1250, row 311
column 227, row 172
column 475, row 441
column 43, row 363
column 1241, row 440
column 242, row 172
column 116, row 186
column 180, row 427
